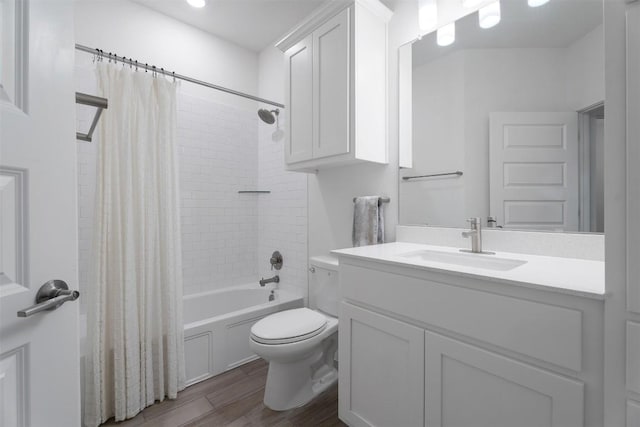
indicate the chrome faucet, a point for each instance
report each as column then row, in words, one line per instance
column 274, row 279
column 475, row 233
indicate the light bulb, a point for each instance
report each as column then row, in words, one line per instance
column 197, row 3
column 536, row 3
column 427, row 15
column 447, row 34
column 489, row 16
column 471, row 3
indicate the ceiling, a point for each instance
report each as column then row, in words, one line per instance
column 253, row 24
column 557, row 24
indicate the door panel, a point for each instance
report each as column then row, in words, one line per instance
column 376, row 350
column 299, row 92
column 466, row 386
column 39, row 355
column 534, row 170
column 331, row 87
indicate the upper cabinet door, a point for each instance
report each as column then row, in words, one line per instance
column 331, row 86
column 299, row 93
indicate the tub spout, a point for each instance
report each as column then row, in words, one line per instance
column 274, row 279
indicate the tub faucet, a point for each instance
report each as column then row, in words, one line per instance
column 475, row 233
column 274, row 279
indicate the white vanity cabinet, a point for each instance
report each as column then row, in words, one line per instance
column 335, row 86
column 427, row 348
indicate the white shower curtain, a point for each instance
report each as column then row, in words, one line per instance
column 135, row 332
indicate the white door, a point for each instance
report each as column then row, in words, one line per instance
column 533, row 164
column 299, row 93
column 331, row 88
column 39, row 355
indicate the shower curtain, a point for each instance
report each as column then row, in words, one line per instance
column 135, row 331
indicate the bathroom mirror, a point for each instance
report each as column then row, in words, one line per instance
column 506, row 122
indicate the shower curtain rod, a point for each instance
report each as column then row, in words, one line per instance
column 153, row 68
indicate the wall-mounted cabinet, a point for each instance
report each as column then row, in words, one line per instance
column 336, row 87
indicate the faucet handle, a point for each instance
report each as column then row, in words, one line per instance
column 474, row 221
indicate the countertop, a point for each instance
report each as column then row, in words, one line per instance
column 566, row 275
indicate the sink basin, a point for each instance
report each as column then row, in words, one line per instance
column 486, row 261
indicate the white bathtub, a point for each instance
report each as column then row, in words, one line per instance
column 217, row 325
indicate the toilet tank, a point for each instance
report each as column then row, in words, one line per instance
column 323, row 284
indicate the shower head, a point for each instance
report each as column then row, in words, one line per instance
column 269, row 117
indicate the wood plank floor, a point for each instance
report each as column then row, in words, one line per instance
column 234, row 399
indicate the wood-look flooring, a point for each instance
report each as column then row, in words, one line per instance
column 234, row 399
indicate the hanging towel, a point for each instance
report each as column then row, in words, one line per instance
column 368, row 221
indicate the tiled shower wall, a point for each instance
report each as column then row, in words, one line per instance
column 217, row 158
column 283, row 213
column 227, row 238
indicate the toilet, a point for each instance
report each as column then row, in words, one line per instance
column 300, row 344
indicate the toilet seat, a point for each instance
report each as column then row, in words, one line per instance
column 288, row 326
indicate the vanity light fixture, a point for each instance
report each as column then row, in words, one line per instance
column 197, row 3
column 489, row 15
column 446, row 35
column 427, row 15
column 471, row 3
column 536, row 3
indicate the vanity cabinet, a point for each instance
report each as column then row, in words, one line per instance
column 335, row 86
column 420, row 348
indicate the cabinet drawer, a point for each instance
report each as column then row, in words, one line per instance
column 549, row 333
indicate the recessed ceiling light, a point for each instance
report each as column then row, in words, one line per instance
column 446, row 35
column 427, row 15
column 536, row 3
column 197, row 3
column 490, row 15
column 471, row 3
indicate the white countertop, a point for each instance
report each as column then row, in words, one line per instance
column 567, row 275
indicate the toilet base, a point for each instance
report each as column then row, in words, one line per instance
column 294, row 384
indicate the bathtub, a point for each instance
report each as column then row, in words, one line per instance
column 217, row 325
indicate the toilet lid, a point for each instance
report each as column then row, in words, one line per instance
column 288, row 326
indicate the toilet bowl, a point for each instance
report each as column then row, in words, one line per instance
column 301, row 344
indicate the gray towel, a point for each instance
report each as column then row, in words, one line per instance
column 368, row 221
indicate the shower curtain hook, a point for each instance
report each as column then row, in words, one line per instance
column 153, row 71
column 146, row 67
column 136, row 65
column 174, row 76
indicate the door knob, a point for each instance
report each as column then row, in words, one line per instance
column 50, row 296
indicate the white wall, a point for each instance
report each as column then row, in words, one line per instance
column 283, row 212
column 585, row 70
column 453, row 97
column 132, row 30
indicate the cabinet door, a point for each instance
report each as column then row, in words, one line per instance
column 299, row 95
column 381, row 370
column 331, row 88
column 466, row 386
